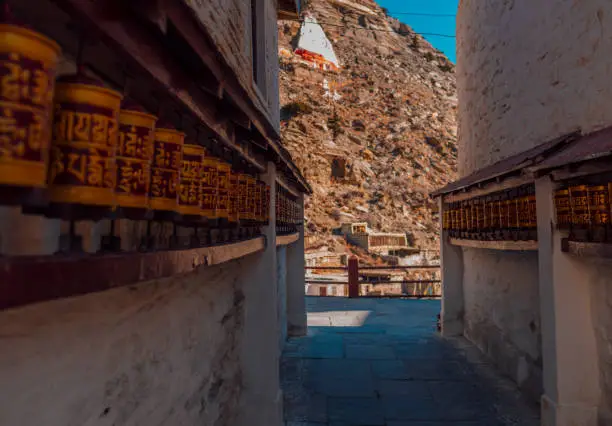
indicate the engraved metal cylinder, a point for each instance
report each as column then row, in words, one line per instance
column 210, row 187
column 190, row 196
column 28, row 66
column 165, row 169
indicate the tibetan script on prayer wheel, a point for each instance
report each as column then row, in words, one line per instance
column 446, row 219
column 243, row 197
column 134, row 158
column 251, row 197
column 599, row 209
column 165, row 169
column 234, row 197
column 28, row 64
column 190, row 189
column 261, row 202
column 563, row 208
column 579, row 203
column 267, row 204
column 223, row 201
column 210, row 187
column 82, row 169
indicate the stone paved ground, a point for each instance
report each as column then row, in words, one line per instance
column 380, row 362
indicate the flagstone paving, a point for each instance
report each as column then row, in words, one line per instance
column 380, row 362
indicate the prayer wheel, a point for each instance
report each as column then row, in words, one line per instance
column 599, row 208
column 267, row 205
column 581, row 218
column 563, row 209
column 234, row 198
column 513, row 214
column 223, row 199
column 28, row 65
column 504, row 216
column 134, row 158
column 210, row 187
column 251, row 199
column 243, row 198
column 463, row 219
column 82, row 169
column 190, row 188
column 480, row 219
column 165, row 172
column 261, row 201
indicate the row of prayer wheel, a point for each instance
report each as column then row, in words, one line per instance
column 584, row 210
column 508, row 215
column 74, row 149
column 288, row 212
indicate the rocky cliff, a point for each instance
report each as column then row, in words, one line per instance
column 376, row 136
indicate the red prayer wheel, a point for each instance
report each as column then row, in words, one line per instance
column 82, row 170
column 134, row 158
column 28, row 65
column 190, row 188
column 223, row 199
column 210, row 187
column 165, row 169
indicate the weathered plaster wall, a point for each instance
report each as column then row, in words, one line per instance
column 528, row 71
column 158, row 353
column 502, row 312
column 600, row 282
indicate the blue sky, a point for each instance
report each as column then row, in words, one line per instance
column 428, row 24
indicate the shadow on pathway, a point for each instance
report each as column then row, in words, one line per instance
column 377, row 362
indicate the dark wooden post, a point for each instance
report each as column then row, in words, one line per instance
column 353, row 276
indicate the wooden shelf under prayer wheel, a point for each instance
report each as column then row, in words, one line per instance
column 29, row 63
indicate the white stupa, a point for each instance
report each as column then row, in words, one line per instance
column 314, row 46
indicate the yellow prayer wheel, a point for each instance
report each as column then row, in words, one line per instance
column 190, row 194
column 251, row 197
column 259, row 201
column 165, row 169
column 243, row 197
column 82, row 169
column 29, row 64
column 563, row 209
column 134, row 158
column 234, row 197
column 223, row 201
column 210, row 187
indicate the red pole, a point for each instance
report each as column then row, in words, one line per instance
column 353, row 276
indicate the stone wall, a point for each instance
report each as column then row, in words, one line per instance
column 523, row 79
column 166, row 352
column 502, row 312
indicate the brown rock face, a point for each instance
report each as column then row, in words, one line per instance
column 375, row 151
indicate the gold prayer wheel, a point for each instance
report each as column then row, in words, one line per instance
column 28, row 61
column 82, row 169
column 234, row 197
column 581, row 217
column 190, row 187
column 563, row 209
column 210, row 187
column 165, row 170
column 223, row 200
column 251, row 197
column 134, row 158
column 243, row 197
column 261, row 190
column 599, row 208
column 267, row 204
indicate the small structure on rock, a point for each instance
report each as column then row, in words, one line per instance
column 382, row 243
column 314, row 47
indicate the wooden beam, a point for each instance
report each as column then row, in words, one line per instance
column 26, row 280
column 488, row 188
column 496, row 245
column 285, row 240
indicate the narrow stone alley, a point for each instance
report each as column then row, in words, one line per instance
column 371, row 362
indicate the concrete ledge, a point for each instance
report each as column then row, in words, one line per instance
column 584, row 249
column 25, row 280
column 285, row 240
column 554, row 414
column 496, row 245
